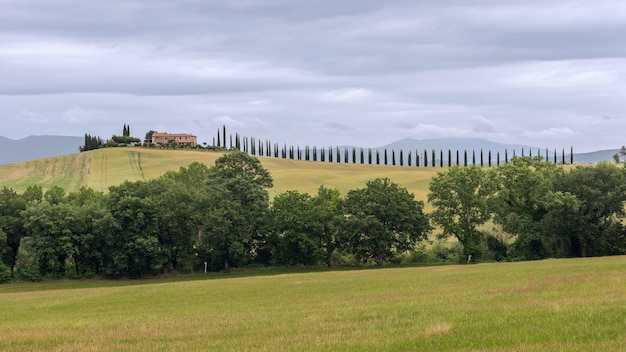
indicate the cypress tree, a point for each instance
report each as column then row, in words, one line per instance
column 449, row 158
column 481, row 158
column 465, row 158
column 385, row 156
column 425, row 158
column 409, row 159
column 377, row 157
column 345, row 155
column 417, row 159
column 457, row 157
column 522, row 152
column 401, row 158
column 369, row 156
column 393, row 157
column 498, row 159
column 571, row 155
column 440, row 158
column 433, row 159
column 473, row 157
column 354, row 155
column 563, row 156
column 362, row 157
column 506, row 156
column 338, row 155
column 224, row 136
column 489, row 156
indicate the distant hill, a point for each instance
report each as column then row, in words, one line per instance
column 37, row 147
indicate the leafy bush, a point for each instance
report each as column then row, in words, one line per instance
column 5, row 273
column 31, row 275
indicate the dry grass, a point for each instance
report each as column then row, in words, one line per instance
column 100, row 169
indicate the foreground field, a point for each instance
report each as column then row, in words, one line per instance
column 100, row 169
column 552, row 305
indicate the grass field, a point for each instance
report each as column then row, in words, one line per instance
column 103, row 168
column 551, row 305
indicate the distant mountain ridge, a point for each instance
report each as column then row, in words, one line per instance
column 37, row 147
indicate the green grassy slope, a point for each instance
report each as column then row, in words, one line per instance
column 551, row 305
column 100, row 169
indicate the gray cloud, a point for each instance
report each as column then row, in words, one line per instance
column 328, row 72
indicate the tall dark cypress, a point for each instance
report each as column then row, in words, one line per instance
column 362, row 156
column 425, row 158
column 522, row 152
column 345, row 155
column 369, row 156
column 354, row 155
column 571, row 155
column 393, row 157
column 440, row 158
column 555, row 155
column 409, row 159
column 377, row 157
column 449, row 158
column 218, row 137
column 457, row 157
column 498, row 159
column 481, row 158
column 338, row 155
column 385, row 156
column 506, row 156
column 433, row 159
column 473, row 157
column 417, row 159
column 563, row 157
column 401, row 158
column 465, row 158
column 489, row 156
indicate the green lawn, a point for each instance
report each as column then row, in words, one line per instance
column 551, row 305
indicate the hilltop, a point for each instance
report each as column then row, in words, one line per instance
column 102, row 168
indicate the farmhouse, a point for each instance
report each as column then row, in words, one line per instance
column 183, row 139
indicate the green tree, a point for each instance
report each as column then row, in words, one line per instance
column 327, row 218
column 292, row 222
column 11, row 223
column 136, row 249
column 460, row 198
column 525, row 197
column 383, row 218
column 238, row 183
column 595, row 228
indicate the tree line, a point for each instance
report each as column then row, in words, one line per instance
column 354, row 155
column 221, row 217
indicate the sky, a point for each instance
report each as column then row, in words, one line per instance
column 318, row 72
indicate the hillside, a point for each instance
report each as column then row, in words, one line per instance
column 100, row 169
column 37, row 147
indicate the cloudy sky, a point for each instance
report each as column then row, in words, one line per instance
column 318, row 72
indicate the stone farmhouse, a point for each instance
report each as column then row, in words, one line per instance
column 182, row 139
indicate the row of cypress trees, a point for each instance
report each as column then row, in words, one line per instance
column 355, row 155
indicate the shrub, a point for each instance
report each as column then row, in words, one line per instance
column 31, row 275
column 5, row 273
